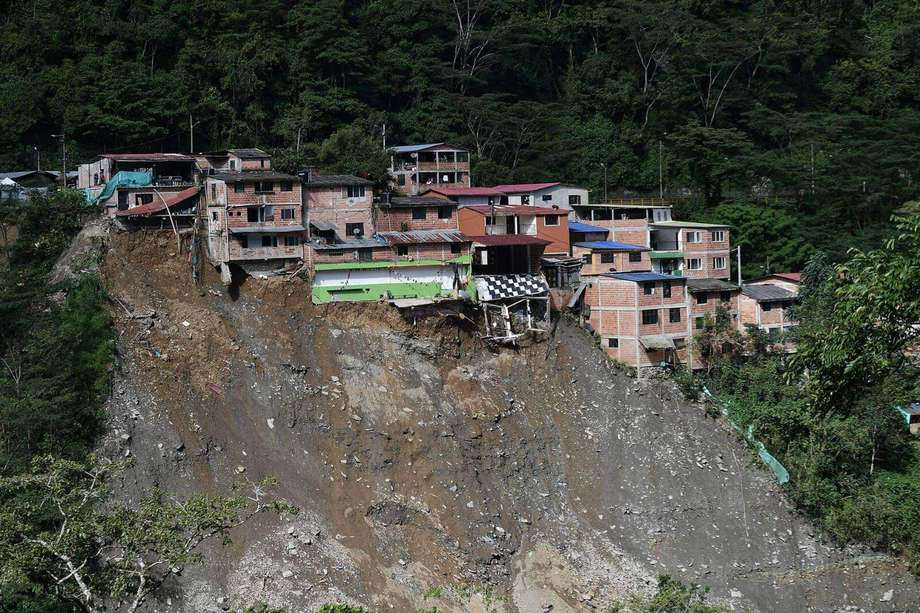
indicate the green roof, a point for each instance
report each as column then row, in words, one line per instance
column 667, row 255
column 463, row 259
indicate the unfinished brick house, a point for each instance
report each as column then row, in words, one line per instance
column 642, row 318
column 601, row 257
column 118, row 182
column 465, row 196
column 694, row 250
column 338, row 207
column 407, row 213
column 234, row 160
column 548, row 225
column 627, row 219
column 414, row 168
column 764, row 304
column 254, row 218
column 707, row 296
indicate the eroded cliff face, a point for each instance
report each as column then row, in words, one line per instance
column 433, row 470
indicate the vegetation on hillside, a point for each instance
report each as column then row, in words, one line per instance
column 828, row 410
column 801, row 118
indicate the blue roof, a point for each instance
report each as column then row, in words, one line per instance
column 413, row 148
column 611, row 246
column 575, row 226
column 639, row 277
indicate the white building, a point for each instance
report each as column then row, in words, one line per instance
column 544, row 194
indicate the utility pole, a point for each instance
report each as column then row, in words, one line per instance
column 384, row 132
column 38, row 155
column 660, row 170
column 191, row 134
column 739, row 265
column 63, row 158
column 605, row 181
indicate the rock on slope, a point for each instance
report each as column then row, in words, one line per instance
column 433, row 470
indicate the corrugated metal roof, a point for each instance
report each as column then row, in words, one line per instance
column 249, row 153
column 253, row 175
column 710, row 285
column 520, row 188
column 266, row 229
column 464, row 191
column 685, row 224
column 413, row 201
column 18, row 174
column 795, row 277
column 502, row 240
column 160, row 203
column 422, row 237
column 577, row 226
column 413, row 148
column 354, row 243
column 333, row 180
column 611, row 246
column 514, row 209
column 148, row 157
column 639, row 277
column 766, row 292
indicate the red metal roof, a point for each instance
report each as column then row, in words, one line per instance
column 789, row 276
column 148, row 157
column 501, row 240
column 516, row 209
column 520, row 188
column 464, row 191
column 160, row 203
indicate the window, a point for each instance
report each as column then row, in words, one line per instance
column 287, row 213
column 213, row 215
column 674, row 316
column 232, row 164
column 666, row 290
column 96, row 178
column 725, row 296
column 635, row 257
column 402, row 250
column 365, row 255
column 546, row 197
column 766, row 306
column 355, row 191
column 613, row 343
column 694, row 237
column 261, row 163
column 649, row 317
column 269, row 241
column 252, row 214
column 463, row 156
column 354, row 229
column 702, row 298
column 648, row 288
column 718, row 236
column 694, row 264
column 607, row 257
column 551, row 220
column 525, row 199
column 700, row 323
column 239, row 187
column 718, row 263
column 213, row 191
column 265, row 187
column 444, row 212
column 287, row 186
column 455, row 248
column 144, row 198
column 574, row 199
column 291, row 241
column 419, row 212
column 587, row 258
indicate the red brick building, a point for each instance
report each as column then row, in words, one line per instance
column 694, row 250
column 338, row 207
column 406, row 213
column 601, row 257
column 707, row 296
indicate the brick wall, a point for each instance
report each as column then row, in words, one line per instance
column 391, row 219
column 713, row 302
column 331, row 205
column 706, row 250
column 620, row 262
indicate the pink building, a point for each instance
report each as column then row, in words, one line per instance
column 764, row 303
column 338, row 207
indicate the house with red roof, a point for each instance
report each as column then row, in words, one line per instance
column 552, row 194
column 466, row 196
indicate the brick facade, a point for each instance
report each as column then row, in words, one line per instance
column 392, row 219
column 332, row 205
column 595, row 264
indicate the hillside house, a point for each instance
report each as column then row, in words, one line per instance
column 466, row 196
column 234, row 160
column 694, row 250
column 19, row 185
column 406, row 268
column 122, row 181
column 506, row 224
column 765, row 304
column 707, row 296
column 407, row 213
column 642, row 318
column 338, row 207
column 602, row 257
column 254, row 219
column 580, row 232
column 626, row 220
column 565, row 197
column 414, row 168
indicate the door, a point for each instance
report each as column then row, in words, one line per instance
column 510, row 225
column 122, row 200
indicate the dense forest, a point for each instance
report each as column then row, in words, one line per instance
column 797, row 122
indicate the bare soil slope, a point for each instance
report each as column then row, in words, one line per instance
column 433, row 470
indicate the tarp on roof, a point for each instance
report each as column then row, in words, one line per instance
column 500, row 287
column 577, row 226
column 160, row 203
column 656, row 342
column 124, row 178
column 611, row 246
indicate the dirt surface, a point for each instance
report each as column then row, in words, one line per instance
column 433, row 470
